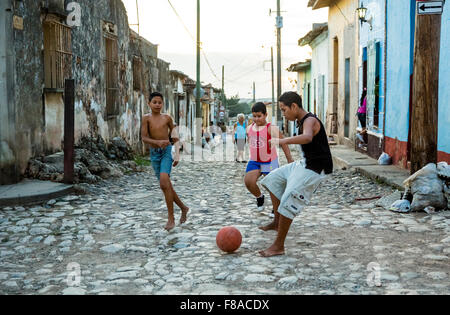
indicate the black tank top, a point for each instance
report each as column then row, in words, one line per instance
column 317, row 153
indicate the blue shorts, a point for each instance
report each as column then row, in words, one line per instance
column 265, row 168
column 161, row 160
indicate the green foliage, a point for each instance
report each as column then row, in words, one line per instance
column 142, row 161
column 236, row 107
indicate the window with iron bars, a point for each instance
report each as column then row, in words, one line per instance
column 137, row 73
column 57, row 55
column 111, row 75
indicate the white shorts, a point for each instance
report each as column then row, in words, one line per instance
column 293, row 185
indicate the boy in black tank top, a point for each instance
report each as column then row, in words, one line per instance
column 292, row 185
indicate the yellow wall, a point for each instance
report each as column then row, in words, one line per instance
column 343, row 24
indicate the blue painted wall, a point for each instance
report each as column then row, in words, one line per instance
column 444, row 83
column 375, row 12
column 400, row 42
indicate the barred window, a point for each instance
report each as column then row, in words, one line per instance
column 57, row 54
column 137, row 73
column 111, row 75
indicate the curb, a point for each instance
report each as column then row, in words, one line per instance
column 379, row 178
column 344, row 165
column 34, row 199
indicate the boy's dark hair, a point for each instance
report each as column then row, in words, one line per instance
column 155, row 94
column 289, row 98
column 259, row 108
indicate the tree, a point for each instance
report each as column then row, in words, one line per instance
column 236, row 107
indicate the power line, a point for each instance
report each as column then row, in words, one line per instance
column 181, row 20
column 202, row 50
column 245, row 74
column 342, row 13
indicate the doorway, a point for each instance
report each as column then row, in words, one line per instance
column 335, row 86
column 347, row 99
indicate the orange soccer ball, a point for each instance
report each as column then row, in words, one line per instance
column 229, row 239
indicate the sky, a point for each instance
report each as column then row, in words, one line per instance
column 236, row 34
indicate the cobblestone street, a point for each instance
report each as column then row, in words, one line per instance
column 114, row 236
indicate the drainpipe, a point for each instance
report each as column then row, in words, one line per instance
column 385, row 73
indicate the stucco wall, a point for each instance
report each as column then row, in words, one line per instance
column 376, row 14
column 342, row 21
column 444, row 84
column 319, row 66
column 38, row 114
column 29, row 78
column 8, row 164
column 398, row 69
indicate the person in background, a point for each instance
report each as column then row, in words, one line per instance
column 223, row 129
column 240, row 137
column 362, row 115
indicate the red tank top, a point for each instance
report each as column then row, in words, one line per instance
column 260, row 151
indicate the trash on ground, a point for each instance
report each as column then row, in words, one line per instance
column 384, row 159
column 429, row 210
column 427, row 189
column 402, row 206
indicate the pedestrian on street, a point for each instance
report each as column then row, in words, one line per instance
column 291, row 186
column 223, row 130
column 185, row 137
column 206, row 137
column 263, row 158
column 156, row 129
column 213, row 132
column 362, row 115
column 240, row 137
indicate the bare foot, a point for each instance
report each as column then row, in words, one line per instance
column 269, row 227
column 170, row 225
column 184, row 212
column 272, row 251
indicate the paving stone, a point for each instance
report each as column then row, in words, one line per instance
column 114, row 239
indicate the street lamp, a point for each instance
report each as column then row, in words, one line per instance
column 362, row 11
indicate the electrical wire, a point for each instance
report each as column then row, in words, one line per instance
column 342, row 13
column 201, row 49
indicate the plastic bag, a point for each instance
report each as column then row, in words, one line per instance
column 402, row 206
column 384, row 159
column 443, row 170
column 447, row 194
column 427, row 189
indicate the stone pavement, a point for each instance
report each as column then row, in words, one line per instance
column 112, row 241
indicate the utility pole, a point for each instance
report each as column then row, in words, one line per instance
column 274, row 118
column 424, row 115
column 279, row 25
column 137, row 10
column 254, row 92
column 198, row 109
column 223, row 93
column 137, row 13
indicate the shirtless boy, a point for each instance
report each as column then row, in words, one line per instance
column 155, row 131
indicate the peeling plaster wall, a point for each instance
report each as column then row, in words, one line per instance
column 54, row 121
column 8, row 166
column 34, row 118
column 88, row 66
column 29, row 78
